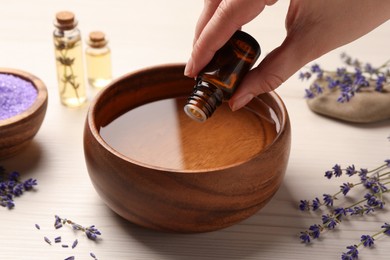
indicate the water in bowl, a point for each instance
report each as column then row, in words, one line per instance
column 160, row 134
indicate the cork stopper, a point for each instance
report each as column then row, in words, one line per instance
column 65, row 20
column 97, row 39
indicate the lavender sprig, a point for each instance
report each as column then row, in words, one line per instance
column 92, row 232
column 374, row 186
column 363, row 76
column 11, row 187
column 365, row 241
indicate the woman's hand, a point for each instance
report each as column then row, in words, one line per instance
column 313, row 29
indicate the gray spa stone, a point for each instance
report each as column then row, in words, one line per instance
column 367, row 106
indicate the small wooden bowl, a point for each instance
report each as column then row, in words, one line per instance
column 17, row 131
column 174, row 200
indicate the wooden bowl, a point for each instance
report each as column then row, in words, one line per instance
column 175, row 200
column 18, row 130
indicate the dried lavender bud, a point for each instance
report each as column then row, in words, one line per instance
column 70, row 258
column 75, row 243
column 93, row 255
column 47, row 240
column 58, row 222
column 92, row 232
column 57, row 240
column 37, row 226
column 65, row 246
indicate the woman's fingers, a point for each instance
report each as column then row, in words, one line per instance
column 213, row 32
column 313, row 29
column 273, row 70
column 208, row 11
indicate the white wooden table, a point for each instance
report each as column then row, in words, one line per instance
column 145, row 33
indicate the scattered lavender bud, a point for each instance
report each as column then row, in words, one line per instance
column 57, row 240
column 37, row 226
column 70, row 258
column 47, row 240
column 58, row 222
column 75, row 243
column 93, row 255
column 65, row 246
column 92, row 232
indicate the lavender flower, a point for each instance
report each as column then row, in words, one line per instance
column 367, row 240
column 330, row 221
column 305, row 237
column 329, row 174
column 363, row 174
column 350, row 170
column 91, row 232
column 29, row 184
column 316, row 204
column 349, row 83
column 11, row 187
column 316, row 68
column 386, row 229
column 339, row 212
column 304, row 205
column 373, row 201
column 315, row 230
column 304, row 75
column 328, row 199
column 337, row 170
column 345, row 188
column 387, row 162
column 351, row 254
column 374, row 184
column 309, row 94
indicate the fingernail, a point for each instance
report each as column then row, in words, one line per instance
column 240, row 102
column 188, row 68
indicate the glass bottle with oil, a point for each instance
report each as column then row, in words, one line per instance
column 69, row 60
column 98, row 57
column 221, row 76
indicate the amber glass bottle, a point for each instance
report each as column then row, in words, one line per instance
column 69, row 60
column 220, row 78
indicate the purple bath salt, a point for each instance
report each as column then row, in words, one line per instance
column 16, row 95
